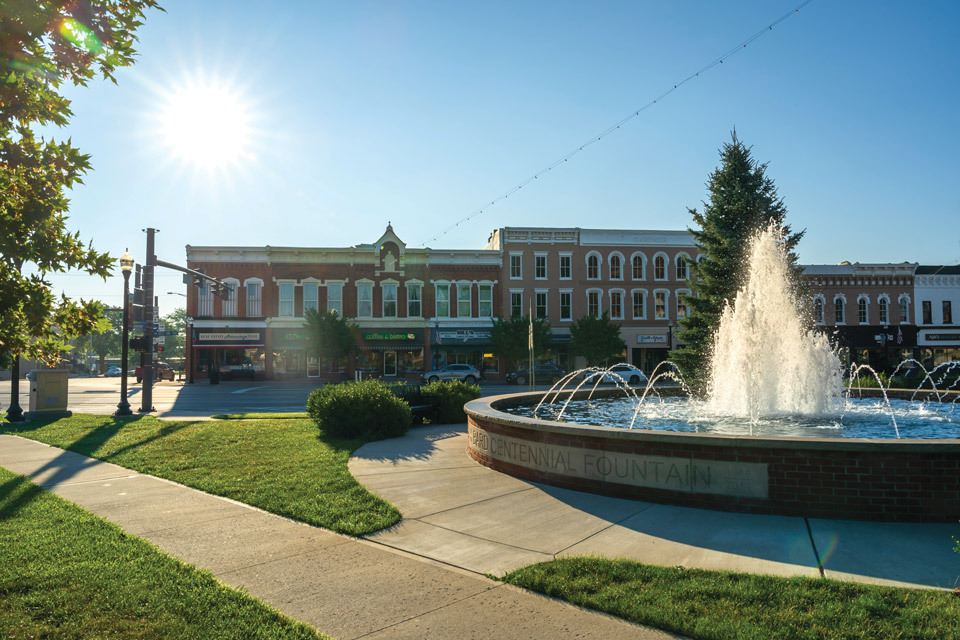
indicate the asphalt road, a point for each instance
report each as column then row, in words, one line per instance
column 179, row 399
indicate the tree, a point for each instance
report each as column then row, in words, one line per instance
column 742, row 201
column 510, row 338
column 108, row 342
column 332, row 338
column 42, row 46
column 596, row 339
column 174, row 345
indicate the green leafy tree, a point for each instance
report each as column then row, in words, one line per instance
column 174, row 346
column 108, row 342
column 510, row 339
column 742, row 201
column 332, row 338
column 43, row 45
column 596, row 339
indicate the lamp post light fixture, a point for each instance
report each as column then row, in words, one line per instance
column 126, row 265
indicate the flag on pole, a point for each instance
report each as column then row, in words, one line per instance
column 899, row 336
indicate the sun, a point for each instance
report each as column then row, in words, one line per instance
column 207, row 124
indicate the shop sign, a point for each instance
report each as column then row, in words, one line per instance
column 232, row 337
column 942, row 337
column 444, row 336
column 652, row 339
column 383, row 335
column 294, row 336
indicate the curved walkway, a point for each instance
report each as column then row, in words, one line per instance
column 463, row 514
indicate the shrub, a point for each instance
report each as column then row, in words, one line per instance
column 359, row 410
column 450, row 396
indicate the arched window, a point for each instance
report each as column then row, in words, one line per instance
column 838, row 310
column 818, row 310
column 681, row 261
column 660, row 267
column 639, row 263
column 883, row 304
column 904, row 301
column 593, row 267
column 862, row 306
column 615, row 267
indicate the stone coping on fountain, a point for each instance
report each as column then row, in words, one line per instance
column 840, row 478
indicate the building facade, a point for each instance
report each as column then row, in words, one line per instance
column 937, row 296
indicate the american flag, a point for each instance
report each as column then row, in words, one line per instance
column 899, row 336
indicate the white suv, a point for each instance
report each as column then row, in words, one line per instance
column 462, row 372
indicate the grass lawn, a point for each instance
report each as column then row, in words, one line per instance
column 722, row 605
column 287, row 466
column 66, row 573
column 259, row 416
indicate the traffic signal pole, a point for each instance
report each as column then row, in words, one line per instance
column 146, row 391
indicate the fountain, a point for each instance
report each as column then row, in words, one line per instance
column 777, row 432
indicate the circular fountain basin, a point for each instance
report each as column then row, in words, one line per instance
column 843, row 478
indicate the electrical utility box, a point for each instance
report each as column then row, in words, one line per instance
column 48, row 393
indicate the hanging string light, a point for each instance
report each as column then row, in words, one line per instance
column 739, row 47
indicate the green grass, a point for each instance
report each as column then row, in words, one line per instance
column 65, row 573
column 259, row 416
column 722, row 605
column 287, row 466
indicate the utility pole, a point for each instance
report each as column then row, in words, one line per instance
column 146, row 391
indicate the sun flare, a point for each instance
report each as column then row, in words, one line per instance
column 207, row 125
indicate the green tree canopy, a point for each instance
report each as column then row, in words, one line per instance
column 108, row 342
column 510, row 339
column 742, row 201
column 596, row 339
column 332, row 338
column 44, row 44
column 174, row 346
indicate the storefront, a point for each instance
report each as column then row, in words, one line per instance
column 452, row 345
column 938, row 346
column 391, row 353
column 233, row 352
column 647, row 347
column 880, row 347
column 289, row 350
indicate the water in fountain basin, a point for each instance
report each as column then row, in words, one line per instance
column 766, row 362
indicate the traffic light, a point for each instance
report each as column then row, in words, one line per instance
column 221, row 289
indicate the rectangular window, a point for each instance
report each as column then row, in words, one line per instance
column 253, row 300
column 516, row 271
column 443, row 300
column 516, row 304
column 310, row 298
column 229, row 305
column 485, row 296
column 286, row 300
column 660, row 305
column 565, row 271
column 205, row 300
column 541, row 304
column 540, row 266
column 463, row 301
column 593, row 304
column 413, row 301
column 947, row 312
column 566, row 298
column 364, row 300
column 335, row 299
column 638, row 305
column 389, row 300
column 927, row 307
column 616, row 305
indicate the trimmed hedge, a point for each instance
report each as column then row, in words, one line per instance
column 450, row 396
column 365, row 409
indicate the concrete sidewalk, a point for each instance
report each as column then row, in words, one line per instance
column 461, row 513
column 345, row 587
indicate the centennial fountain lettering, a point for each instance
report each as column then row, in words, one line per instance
column 740, row 479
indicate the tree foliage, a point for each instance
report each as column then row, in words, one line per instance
column 596, row 339
column 174, row 346
column 108, row 342
column 332, row 338
column 43, row 45
column 742, row 201
column 510, row 338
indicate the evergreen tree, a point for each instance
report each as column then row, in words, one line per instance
column 742, row 201
column 596, row 339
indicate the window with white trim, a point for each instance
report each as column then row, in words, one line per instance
column 540, row 304
column 286, row 300
column 593, row 303
column 682, row 309
column 616, row 304
column 311, row 297
column 364, row 300
column 818, row 310
column 904, row 301
column 566, row 305
column 463, row 300
column 516, row 267
column 485, row 300
column 926, row 309
column 204, row 300
column 566, row 271
column 638, row 264
column 413, row 300
column 681, row 261
column 335, row 299
column 838, row 310
column 660, row 267
column 593, row 267
column 883, row 306
column 443, row 300
column 540, row 266
column 228, row 306
column 389, row 300
column 254, row 290
column 862, row 303
column 516, row 303
column 616, row 272
column 660, row 305
column 639, row 305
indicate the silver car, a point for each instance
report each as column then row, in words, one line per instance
column 621, row 373
column 462, row 372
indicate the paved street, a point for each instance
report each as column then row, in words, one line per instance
column 179, row 399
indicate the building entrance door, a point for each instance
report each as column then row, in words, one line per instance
column 389, row 363
column 313, row 367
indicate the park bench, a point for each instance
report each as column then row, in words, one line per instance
column 422, row 406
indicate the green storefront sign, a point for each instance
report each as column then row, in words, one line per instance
column 292, row 336
column 389, row 336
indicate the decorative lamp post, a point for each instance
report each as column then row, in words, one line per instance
column 126, row 265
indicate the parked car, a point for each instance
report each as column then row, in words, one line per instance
column 546, row 371
column 462, row 372
column 619, row 373
column 114, row 372
column 162, row 372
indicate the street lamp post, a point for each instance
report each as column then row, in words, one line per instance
column 126, row 265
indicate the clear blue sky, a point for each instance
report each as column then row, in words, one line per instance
column 421, row 112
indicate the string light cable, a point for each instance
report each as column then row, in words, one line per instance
column 616, row 126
